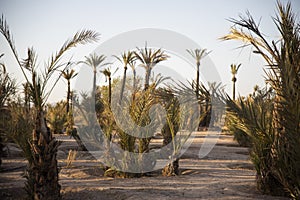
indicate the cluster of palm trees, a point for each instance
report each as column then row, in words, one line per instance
column 42, row 171
column 269, row 118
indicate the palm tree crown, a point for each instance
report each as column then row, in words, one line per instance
column 68, row 75
column 94, row 61
column 234, row 70
column 127, row 58
column 149, row 59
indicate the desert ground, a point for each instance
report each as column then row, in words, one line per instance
column 225, row 173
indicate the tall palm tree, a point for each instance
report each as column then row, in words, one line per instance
column 94, row 61
column 149, row 59
column 234, row 70
column 42, row 170
column 68, row 75
column 107, row 74
column 283, row 75
column 198, row 54
column 127, row 58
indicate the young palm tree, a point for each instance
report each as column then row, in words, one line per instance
column 56, row 119
column 234, row 70
column 7, row 89
column 283, row 59
column 149, row 59
column 127, row 58
column 68, row 75
column 42, row 170
column 94, row 61
column 170, row 128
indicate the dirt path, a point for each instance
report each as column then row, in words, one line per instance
column 225, row 173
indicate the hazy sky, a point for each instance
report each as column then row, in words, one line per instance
column 45, row 25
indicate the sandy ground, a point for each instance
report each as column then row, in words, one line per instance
column 225, row 173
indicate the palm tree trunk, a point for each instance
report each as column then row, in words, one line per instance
column 68, row 97
column 94, row 84
column 197, row 81
column 171, row 168
column 233, row 91
column 147, row 78
column 109, row 91
column 197, row 94
column 134, row 80
column 123, row 85
column 42, row 170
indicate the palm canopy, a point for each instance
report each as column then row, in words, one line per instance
column 107, row 72
column 127, row 58
column 150, row 57
column 94, row 61
column 198, row 54
column 234, row 68
column 69, row 74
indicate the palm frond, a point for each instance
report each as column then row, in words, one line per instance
column 81, row 37
column 4, row 30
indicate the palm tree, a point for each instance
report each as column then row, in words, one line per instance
column 42, row 170
column 107, row 74
column 283, row 75
column 198, row 54
column 149, row 59
column 234, row 70
column 68, row 75
column 94, row 61
column 127, row 58
column 56, row 119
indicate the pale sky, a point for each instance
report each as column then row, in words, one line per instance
column 46, row 25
